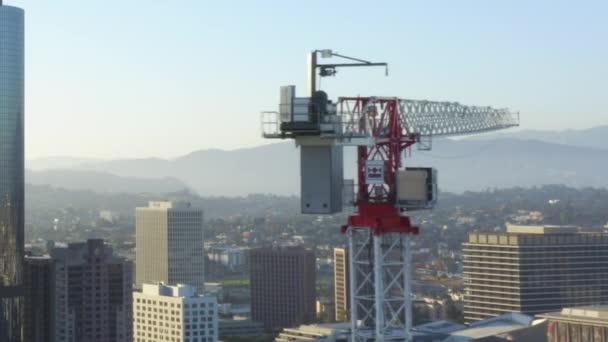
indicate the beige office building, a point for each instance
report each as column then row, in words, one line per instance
column 164, row 313
column 341, row 284
column 169, row 244
column 533, row 270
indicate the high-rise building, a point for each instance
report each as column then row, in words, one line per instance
column 93, row 294
column 169, row 244
column 174, row 313
column 341, row 284
column 533, row 269
column 39, row 308
column 11, row 172
column 282, row 286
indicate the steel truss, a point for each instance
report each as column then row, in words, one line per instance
column 361, row 118
column 380, row 287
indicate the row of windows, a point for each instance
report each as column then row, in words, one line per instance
column 174, row 339
column 153, row 302
column 168, row 334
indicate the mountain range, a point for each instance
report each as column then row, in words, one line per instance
column 525, row 158
column 594, row 137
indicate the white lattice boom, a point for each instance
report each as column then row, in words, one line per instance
column 418, row 118
column 452, row 118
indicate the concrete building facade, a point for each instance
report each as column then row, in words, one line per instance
column 169, row 244
column 93, row 294
column 533, row 269
column 341, row 284
column 174, row 313
column 11, row 172
column 282, row 286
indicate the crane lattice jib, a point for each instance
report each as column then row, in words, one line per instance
column 365, row 117
column 452, row 118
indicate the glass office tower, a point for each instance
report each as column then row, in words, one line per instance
column 11, row 172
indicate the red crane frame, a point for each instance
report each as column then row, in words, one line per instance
column 380, row 117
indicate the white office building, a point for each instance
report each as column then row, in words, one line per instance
column 164, row 313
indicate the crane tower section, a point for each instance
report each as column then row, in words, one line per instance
column 379, row 231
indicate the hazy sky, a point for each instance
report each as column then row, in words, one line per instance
column 141, row 78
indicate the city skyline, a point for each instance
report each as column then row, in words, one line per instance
column 208, row 67
column 164, row 79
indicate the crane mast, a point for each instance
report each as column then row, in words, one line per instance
column 379, row 230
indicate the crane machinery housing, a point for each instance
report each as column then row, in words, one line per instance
column 379, row 230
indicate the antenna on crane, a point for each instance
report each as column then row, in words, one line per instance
column 329, row 69
column 379, row 231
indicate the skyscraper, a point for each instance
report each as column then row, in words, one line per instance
column 11, row 172
column 174, row 313
column 533, row 269
column 93, row 294
column 341, row 284
column 169, row 244
column 39, row 307
column 282, row 286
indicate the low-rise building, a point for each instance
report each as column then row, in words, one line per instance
column 339, row 332
column 587, row 323
column 242, row 328
column 508, row 327
column 232, row 257
column 174, row 313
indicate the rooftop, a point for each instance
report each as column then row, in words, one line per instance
column 314, row 332
column 161, row 289
column 164, row 205
column 584, row 314
column 504, row 324
column 546, row 229
column 440, row 327
column 38, row 257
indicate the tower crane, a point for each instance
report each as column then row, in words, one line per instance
column 378, row 230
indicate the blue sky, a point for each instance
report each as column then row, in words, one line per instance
column 163, row 78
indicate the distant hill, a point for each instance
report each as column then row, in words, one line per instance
column 463, row 165
column 51, row 163
column 102, row 181
column 593, row 137
column 503, row 163
column 43, row 199
column 268, row 169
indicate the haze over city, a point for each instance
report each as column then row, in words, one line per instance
column 192, row 171
column 162, row 79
